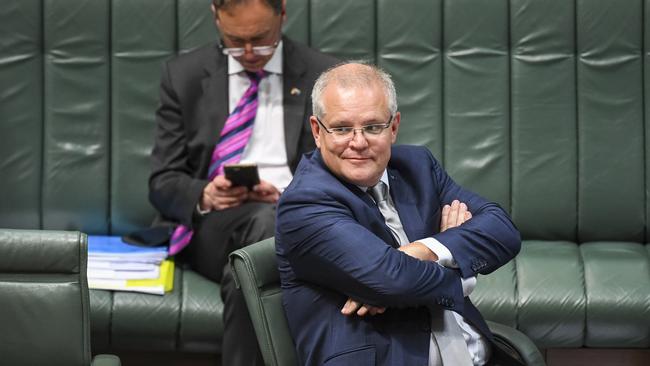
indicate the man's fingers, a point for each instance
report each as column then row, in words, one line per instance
column 462, row 209
column 224, row 202
column 445, row 217
column 231, row 192
column 362, row 311
column 369, row 309
column 229, row 200
column 453, row 214
column 221, row 182
column 227, row 205
column 350, row 307
column 374, row 310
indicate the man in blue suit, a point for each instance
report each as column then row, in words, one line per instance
column 377, row 248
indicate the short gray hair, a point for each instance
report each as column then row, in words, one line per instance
column 361, row 78
column 276, row 5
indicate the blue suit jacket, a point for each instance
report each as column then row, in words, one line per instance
column 332, row 243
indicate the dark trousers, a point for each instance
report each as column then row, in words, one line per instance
column 216, row 235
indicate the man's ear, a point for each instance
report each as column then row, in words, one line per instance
column 394, row 127
column 284, row 11
column 315, row 130
column 215, row 15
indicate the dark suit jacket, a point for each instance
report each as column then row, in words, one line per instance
column 332, row 244
column 193, row 109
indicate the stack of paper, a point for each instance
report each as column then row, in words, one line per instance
column 116, row 265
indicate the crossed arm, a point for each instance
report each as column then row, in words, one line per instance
column 452, row 215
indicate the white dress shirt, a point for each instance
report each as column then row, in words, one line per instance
column 266, row 146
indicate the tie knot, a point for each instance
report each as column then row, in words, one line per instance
column 256, row 76
column 379, row 192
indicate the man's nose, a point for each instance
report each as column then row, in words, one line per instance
column 248, row 49
column 359, row 140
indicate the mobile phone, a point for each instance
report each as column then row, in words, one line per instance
column 242, row 174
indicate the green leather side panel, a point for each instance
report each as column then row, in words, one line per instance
column 142, row 38
column 75, row 170
column 544, row 152
column 346, row 29
column 21, row 109
column 200, row 330
column 297, row 24
column 610, row 121
column 550, row 287
column 476, row 97
column 195, row 24
column 495, row 295
column 409, row 49
column 617, row 283
column 146, row 322
column 646, row 102
column 271, row 300
column 101, row 305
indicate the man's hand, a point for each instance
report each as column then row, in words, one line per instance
column 351, row 307
column 265, row 192
column 454, row 215
column 219, row 194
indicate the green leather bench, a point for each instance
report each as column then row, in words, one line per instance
column 540, row 105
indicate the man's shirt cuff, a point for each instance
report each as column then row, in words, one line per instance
column 445, row 259
column 202, row 212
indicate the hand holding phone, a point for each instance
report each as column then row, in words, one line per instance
column 242, row 175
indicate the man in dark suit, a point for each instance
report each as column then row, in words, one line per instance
column 378, row 248
column 200, row 93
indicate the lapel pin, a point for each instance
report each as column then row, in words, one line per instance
column 295, row 91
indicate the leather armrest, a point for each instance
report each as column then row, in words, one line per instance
column 106, row 360
column 519, row 341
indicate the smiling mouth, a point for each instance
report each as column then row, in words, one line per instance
column 357, row 159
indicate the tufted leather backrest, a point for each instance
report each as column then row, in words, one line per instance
column 540, row 105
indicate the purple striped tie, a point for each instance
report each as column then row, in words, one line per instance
column 233, row 139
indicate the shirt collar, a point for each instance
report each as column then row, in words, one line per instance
column 274, row 65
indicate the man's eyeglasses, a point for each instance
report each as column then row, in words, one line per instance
column 257, row 50
column 344, row 134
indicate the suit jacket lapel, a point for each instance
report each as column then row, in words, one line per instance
column 406, row 206
column 386, row 235
column 293, row 97
column 214, row 102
